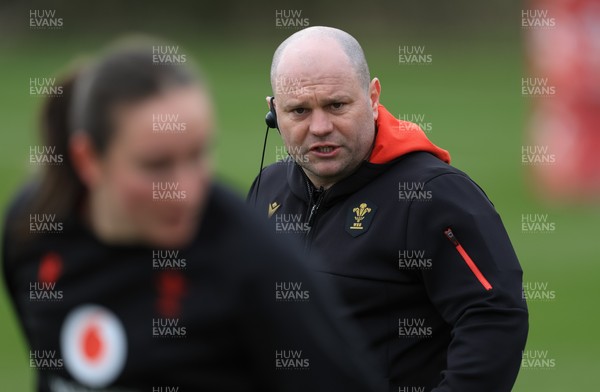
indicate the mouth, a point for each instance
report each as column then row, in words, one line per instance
column 324, row 150
column 177, row 217
column 174, row 221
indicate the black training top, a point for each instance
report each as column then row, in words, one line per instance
column 234, row 311
column 422, row 261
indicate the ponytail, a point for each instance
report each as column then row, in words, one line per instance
column 60, row 189
column 57, row 190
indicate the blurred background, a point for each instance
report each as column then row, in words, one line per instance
column 506, row 86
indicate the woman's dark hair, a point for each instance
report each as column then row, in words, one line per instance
column 127, row 74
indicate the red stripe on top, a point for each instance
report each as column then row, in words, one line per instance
column 473, row 267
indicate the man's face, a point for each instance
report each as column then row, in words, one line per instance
column 325, row 115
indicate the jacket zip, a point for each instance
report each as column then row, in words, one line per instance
column 470, row 263
column 313, row 206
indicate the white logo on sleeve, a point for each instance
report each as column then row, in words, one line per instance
column 93, row 345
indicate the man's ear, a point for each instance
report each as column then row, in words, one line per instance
column 374, row 93
column 268, row 98
column 85, row 159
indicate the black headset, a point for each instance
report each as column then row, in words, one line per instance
column 271, row 117
column 271, row 120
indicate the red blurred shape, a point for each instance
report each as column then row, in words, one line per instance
column 172, row 287
column 50, row 268
column 92, row 344
column 567, row 123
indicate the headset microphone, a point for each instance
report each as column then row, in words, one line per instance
column 271, row 120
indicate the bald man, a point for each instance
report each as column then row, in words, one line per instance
column 414, row 246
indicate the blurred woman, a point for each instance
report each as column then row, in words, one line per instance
column 130, row 269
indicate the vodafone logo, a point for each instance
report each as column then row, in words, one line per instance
column 93, row 345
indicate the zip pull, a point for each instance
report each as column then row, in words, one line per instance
column 311, row 216
column 313, row 210
column 450, row 235
column 465, row 256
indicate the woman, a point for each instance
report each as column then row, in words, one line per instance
column 130, row 269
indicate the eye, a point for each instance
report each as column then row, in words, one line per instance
column 299, row 111
column 337, row 105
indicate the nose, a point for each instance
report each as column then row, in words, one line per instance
column 320, row 123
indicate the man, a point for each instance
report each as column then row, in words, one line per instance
column 415, row 247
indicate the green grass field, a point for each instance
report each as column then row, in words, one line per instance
column 471, row 95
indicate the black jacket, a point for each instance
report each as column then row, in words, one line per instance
column 421, row 258
column 234, row 311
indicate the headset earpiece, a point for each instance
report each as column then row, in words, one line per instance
column 271, row 117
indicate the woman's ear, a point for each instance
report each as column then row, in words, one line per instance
column 85, row 159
